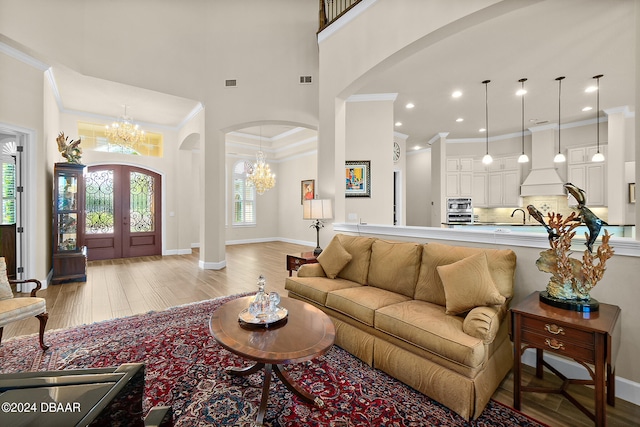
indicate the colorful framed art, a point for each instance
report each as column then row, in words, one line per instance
column 358, row 178
column 307, row 189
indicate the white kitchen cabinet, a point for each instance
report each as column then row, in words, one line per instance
column 459, row 177
column 587, row 175
column 498, row 184
column 480, row 187
column 496, row 188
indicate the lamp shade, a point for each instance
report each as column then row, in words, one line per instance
column 317, row 209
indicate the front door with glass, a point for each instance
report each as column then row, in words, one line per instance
column 123, row 215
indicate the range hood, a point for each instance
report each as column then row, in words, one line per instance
column 543, row 180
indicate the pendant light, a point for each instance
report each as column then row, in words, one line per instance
column 559, row 158
column 523, row 157
column 598, row 157
column 487, row 159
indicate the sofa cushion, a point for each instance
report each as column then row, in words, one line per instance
column 468, row 284
column 426, row 326
column 502, row 265
column 362, row 302
column 360, row 250
column 333, row 258
column 316, row 288
column 394, row 266
column 5, row 288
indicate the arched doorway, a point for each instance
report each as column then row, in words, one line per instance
column 123, row 212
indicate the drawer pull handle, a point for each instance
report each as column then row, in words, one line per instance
column 554, row 329
column 554, row 344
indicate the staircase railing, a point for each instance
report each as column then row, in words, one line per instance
column 331, row 10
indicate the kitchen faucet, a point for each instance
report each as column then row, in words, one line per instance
column 524, row 215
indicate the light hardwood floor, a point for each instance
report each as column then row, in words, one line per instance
column 124, row 287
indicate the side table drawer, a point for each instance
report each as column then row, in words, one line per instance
column 294, row 262
column 559, row 337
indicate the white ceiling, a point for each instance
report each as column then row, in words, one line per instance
column 573, row 38
column 577, row 39
column 106, row 98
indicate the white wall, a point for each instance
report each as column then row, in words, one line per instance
column 419, row 188
column 291, row 226
column 370, row 137
column 22, row 105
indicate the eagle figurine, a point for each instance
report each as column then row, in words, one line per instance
column 69, row 150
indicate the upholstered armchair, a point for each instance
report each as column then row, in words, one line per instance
column 14, row 309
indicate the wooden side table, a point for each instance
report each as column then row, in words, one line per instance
column 592, row 339
column 295, row 261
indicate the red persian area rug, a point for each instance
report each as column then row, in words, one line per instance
column 185, row 369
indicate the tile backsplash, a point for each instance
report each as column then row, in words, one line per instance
column 545, row 204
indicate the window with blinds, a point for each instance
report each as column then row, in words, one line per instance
column 244, row 195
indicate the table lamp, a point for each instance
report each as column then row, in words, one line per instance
column 317, row 210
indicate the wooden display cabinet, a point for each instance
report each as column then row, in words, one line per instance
column 69, row 252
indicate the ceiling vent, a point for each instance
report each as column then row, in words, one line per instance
column 305, row 80
column 231, row 83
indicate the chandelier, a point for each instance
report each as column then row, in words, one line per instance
column 261, row 176
column 124, row 132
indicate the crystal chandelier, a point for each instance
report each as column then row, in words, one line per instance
column 261, row 176
column 124, row 132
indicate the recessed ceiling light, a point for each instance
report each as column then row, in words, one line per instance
column 398, row 123
column 591, row 89
column 587, row 109
column 521, row 92
column 482, row 130
column 417, row 147
column 456, row 94
column 459, row 119
column 410, row 105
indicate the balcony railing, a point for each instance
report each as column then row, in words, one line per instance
column 331, row 10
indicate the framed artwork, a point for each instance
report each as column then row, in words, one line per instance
column 358, row 178
column 307, row 189
column 632, row 192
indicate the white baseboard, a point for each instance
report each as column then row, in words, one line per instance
column 212, row 265
column 298, row 242
column 195, row 245
column 625, row 389
column 246, row 241
column 271, row 239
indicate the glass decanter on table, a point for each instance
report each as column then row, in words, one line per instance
column 263, row 306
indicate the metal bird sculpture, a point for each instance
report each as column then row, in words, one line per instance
column 69, row 150
column 593, row 223
column 537, row 215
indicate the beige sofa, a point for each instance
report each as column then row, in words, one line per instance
column 431, row 315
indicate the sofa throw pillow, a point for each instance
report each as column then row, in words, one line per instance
column 501, row 262
column 5, row 287
column 468, row 284
column 333, row 258
column 359, row 247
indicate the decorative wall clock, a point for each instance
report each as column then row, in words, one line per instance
column 396, row 151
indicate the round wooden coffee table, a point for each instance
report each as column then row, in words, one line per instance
column 306, row 334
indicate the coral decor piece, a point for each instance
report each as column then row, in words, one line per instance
column 572, row 280
column 69, row 150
